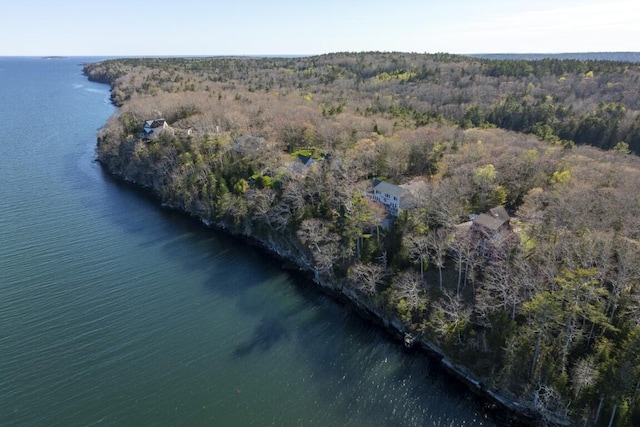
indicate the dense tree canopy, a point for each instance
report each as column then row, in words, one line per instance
column 550, row 316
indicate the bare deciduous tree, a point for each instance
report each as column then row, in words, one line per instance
column 367, row 277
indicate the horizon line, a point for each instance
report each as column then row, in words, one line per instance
column 292, row 55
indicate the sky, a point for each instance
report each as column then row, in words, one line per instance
column 309, row 27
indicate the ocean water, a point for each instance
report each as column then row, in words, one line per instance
column 116, row 312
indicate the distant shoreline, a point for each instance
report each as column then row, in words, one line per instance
column 581, row 56
column 630, row 56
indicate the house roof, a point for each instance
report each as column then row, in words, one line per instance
column 154, row 123
column 464, row 227
column 305, row 160
column 499, row 212
column 387, row 188
column 489, row 221
column 411, row 194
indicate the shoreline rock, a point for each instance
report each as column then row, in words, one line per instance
column 516, row 412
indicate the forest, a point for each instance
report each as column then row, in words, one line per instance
column 545, row 312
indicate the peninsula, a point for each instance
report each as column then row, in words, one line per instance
column 486, row 210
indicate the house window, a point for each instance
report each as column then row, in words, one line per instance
column 395, row 198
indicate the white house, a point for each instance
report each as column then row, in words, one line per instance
column 387, row 194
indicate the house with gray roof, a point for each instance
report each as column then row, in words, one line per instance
column 152, row 127
column 492, row 232
column 388, row 194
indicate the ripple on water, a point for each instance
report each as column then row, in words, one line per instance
column 115, row 312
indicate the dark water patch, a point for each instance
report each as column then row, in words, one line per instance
column 268, row 332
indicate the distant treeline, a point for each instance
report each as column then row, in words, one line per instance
column 567, row 100
column 581, row 56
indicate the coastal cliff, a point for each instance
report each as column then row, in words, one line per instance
column 533, row 306
column 290, row 251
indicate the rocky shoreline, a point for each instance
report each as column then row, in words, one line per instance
column 245, row 180
column 506, row 408
column 499, row 241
